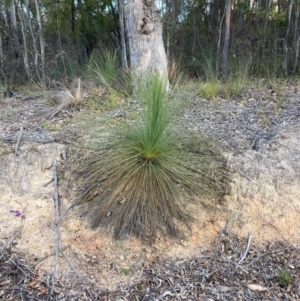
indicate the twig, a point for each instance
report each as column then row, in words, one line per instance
column 57, row 224
column 40, row 261
column 68, row 209
column 16, row 288
column 78, row 275
column 295, row 248
column 8, row 138
column 247, row 249
column 18, row 141
column 265, row 254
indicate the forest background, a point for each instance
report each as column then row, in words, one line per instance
column 49, row 40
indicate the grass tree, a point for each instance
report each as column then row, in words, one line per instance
column 140, row 179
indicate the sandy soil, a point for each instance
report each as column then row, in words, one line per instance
column 264, row 198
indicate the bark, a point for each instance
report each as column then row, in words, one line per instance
column 25, row 49
column 215, row 15
column 265, row 27
column 1, row 58
column 144, row 29
column 122, row 33
column 285, row 40
column 34, row 42
column 41, row 39
column 168, row 22
column 296, row 47
column 279, row 4
column 226, row 40
column 73, row 15
column 14, row 29
column 219, row 42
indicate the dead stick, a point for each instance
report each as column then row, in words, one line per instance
column 247, row 249
column 17, row 288
column 18, row 141
column 78, row 275
column 57, row 223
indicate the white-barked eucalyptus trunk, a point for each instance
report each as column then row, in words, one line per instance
column 144, row 33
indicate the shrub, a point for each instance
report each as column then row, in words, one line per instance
column 138, row 181
column 103, row 68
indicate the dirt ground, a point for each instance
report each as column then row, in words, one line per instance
column 261, row 140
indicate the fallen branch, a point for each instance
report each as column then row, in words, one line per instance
column 20, row 289
column 9, row 138
column 68, row 209
column 57, row 224
column 78, row 275
column 247, row 249
column 18, row 141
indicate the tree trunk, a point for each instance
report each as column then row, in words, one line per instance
column 1, row 59
column 25, row 49
column 285, row 40
column 34, row 42
column 226, row 40
column 73, row 15
column 41, row 39
column 122, row 33
column 14, row 29
column 296, row 46
column 219, row 43
column 144, row 30
column 215, row 15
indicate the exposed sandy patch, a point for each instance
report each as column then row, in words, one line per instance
column 264, row 199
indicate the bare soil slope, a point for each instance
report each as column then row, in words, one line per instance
column 260, row 137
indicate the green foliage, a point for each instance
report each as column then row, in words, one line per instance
column 126, row 271
column 103, row 68
column 138, row 181
column 208, row 64
column 209, row 89
column 285, row 277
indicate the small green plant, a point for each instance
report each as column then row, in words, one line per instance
column 266, row 121
column 104, row 68
column 235, row 85
column 51, row 102
column 209, row 89
column 208, row 64
column 280, row 100
column 139, row 180
column 284, row 276
column 4, row 149
column 56, row 127
column 126, row 271
column 8, row 112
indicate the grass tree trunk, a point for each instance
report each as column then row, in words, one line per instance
column 285, row 41
column 144, row 29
